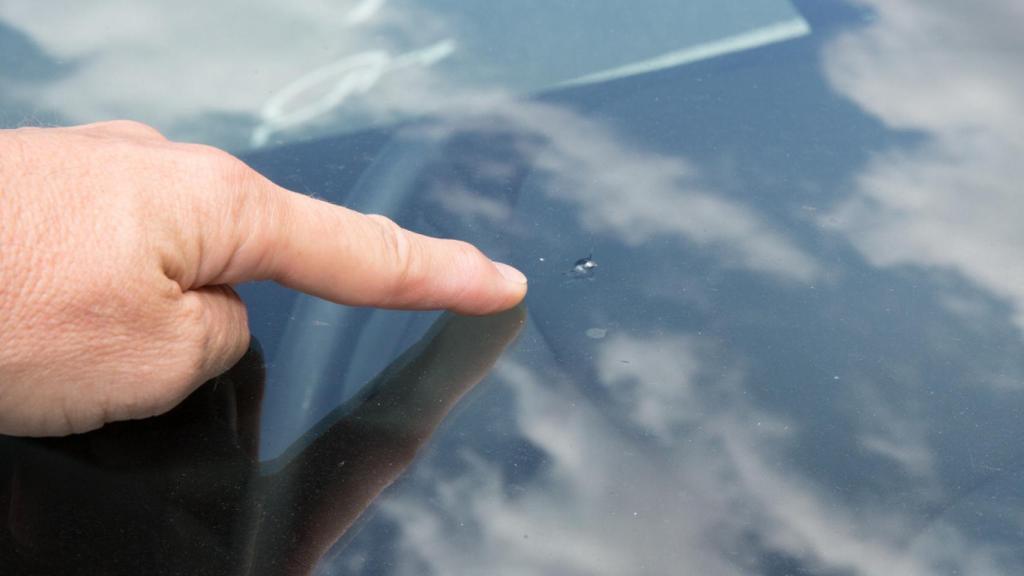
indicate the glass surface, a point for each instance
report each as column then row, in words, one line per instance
column 248, row 74
column 799, row 348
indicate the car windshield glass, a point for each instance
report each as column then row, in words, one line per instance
column 251, row 75
column 775, row 322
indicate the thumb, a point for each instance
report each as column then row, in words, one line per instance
column 221, row 329
column 212, row 335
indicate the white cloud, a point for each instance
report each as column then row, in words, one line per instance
column 656, row 386
column 634, row 195
column 948, row 69
column 606, row 502
column 291, row 66
column 172, row 63
column 461, row 201
column 589, row 516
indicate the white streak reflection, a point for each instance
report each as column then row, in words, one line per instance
column 778, row 32
column 297, row 103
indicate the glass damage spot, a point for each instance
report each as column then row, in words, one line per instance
column 583, row 268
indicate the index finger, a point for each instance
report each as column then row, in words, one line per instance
column 351, row 258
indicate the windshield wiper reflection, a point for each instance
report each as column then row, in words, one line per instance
column 184, row 493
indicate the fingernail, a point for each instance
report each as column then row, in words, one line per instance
column 510, row 273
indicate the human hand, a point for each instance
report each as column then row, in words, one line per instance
column 118, row 250
column 61, row 495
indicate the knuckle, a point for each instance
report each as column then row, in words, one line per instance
column 193, row 336
column 211, row 157
column 216, row 334
column 468, row 260
column 137, row 127
column 233, row 336
column 397, row 251
column 130, row 127
column 394, row 242
column 231, row 174
column 219, row 171
column 465, row 252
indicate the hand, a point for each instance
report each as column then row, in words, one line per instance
column 201, row 502
column 118, row 250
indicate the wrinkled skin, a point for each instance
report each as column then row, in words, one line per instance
column 118, row 250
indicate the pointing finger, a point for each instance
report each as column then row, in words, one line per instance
column 350, row 258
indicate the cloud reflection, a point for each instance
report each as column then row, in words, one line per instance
column 619, row 189
column 310, row 67
column 948, row 70
column 659, row 397
column 721, row 499
column 171, row 63
column 717, row 491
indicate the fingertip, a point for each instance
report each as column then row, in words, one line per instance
column 511, row 274
column 516, row 285
column 492, row 293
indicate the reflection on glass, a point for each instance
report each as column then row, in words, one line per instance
column 798, row 354
column 735, row 392
column 952, row 201
column 264, row 72
column 183, row 493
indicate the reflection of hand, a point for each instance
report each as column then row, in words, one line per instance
column 182, row 493
column 118, row 249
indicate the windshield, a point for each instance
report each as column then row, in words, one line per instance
column 775, row 322
column 251, row 75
